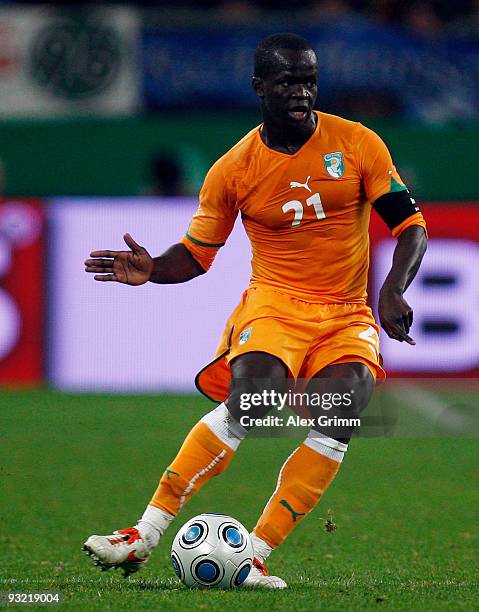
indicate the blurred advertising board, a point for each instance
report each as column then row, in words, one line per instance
column 21, row 292
column 68, row 61
column 361, row 60
column 111, row 337
column 444, row 295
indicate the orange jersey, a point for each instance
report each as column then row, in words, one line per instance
column 306, row 215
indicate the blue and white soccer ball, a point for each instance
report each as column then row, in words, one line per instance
column 212, row 550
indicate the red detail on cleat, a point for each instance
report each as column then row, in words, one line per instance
column 132, row 533
column 115, row 540
column 132, row 557
column 259, row 566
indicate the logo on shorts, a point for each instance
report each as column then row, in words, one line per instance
column 334, row 164
column 245, row 335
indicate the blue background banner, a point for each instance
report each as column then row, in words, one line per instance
column 359, row 61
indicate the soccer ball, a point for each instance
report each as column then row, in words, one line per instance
column 212, row 550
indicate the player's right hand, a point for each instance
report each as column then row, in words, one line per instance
column 132, row 267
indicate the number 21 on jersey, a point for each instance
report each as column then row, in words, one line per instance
column 298, row 208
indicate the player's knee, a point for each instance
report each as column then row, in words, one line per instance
column 362, row 386
column 347, row 386
column 253, row 398
column 257, row 378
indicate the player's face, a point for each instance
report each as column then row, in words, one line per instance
column 289, row 92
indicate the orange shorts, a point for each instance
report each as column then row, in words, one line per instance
column 305, row 336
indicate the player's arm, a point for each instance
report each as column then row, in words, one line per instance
column 176, row 265
column 136, row 266
column 392, row 201
column 395, row 314
column 208, row 231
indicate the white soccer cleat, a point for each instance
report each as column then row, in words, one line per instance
column 124, row 548
column 259, row 578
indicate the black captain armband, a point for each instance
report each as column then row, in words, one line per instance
column 395, row 207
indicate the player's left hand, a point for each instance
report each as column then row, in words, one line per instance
column 395, row 315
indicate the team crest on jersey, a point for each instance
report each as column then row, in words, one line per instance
column 245, row 335
column 334, row 164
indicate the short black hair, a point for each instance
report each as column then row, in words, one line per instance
column 264, row 56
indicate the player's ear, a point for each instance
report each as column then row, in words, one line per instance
column 258, row 86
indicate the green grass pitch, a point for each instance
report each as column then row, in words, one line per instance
column 71, row 465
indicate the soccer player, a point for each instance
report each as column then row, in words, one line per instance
column 304, row 183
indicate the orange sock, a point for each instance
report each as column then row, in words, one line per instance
column 201, row 456
column 304, row 477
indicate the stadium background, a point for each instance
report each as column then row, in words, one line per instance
column 109, row 119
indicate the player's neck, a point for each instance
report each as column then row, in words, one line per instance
column 287, row 139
